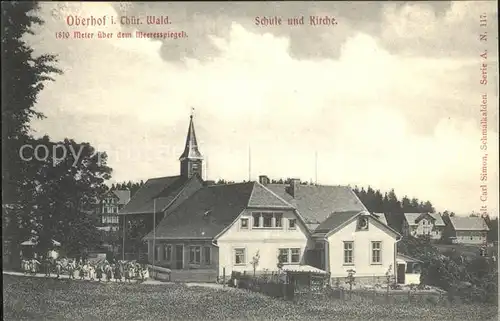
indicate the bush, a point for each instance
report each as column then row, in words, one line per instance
column 264, row 285
column 473, row 280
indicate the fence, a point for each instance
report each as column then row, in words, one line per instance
column 308, row 281
column 281, row 284
column 391, row 297
column 272, row 284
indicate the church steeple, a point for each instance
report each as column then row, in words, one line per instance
column 191, row 159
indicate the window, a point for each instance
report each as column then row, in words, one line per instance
column 239, row 256
column 283, row 255
column 256, row 219
column 207, row 255
column 289, row 255
column 194, row 255
column 267, row 220
column 244, row 223
column 278, row 219
column 376, row 251
column 292, row 223
column 348, row 252
column 158, row 253
column 168, row 253
column 295, row 254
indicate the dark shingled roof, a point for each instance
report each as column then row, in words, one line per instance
column 206, row 213
column 315, row 203
column 164, row 188
column 211, row 209
column 335, row 220
column 191, row 150
column 263, row 197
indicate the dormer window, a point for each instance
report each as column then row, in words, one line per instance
column 267, row 219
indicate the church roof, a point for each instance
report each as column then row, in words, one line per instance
column 191, row 150
column 164, row 189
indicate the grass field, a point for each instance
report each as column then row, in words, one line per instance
column 27, row 298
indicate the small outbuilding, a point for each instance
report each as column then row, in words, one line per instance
column 28, row 246
column 409, row 269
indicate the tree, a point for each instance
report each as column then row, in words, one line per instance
column 255, row 262
column 67, row 192
column 23, row 77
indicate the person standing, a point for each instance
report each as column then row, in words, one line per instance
column 118, row 273
column 109, row 273
column 98, row 272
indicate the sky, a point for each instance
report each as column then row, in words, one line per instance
column 388, row 97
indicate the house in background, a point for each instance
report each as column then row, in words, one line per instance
column 306, row 227
column 109, row 224
column 420, row 224
column 111, row 203
column 467, row 230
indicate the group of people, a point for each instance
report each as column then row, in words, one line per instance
column 84, row 269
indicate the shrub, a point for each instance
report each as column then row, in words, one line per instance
column 264, row 284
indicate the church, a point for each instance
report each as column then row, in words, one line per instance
column 259, row 224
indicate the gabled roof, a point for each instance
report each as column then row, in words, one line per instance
column 315, row 203
column 335, row 220
column 381, row 217
column 123, row 196
column 212, row 209
column 468, row 223
column 407, row 258
column 165, row 189
column 263, row 197
column 191, row 149
column 206, row 213
column 412, row 218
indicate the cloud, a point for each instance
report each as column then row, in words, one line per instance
column 375, row 114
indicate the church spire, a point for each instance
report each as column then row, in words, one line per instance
column 191, row 159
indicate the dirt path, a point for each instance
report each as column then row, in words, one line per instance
column 147, row 282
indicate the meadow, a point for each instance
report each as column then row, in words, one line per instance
column 28, row 298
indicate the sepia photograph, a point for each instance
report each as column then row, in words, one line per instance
column 288, row 160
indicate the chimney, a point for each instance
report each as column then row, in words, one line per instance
column 264, row 180
column 294, row 186
column 208, row 183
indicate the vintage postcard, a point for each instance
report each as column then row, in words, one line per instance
column 250, row 160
